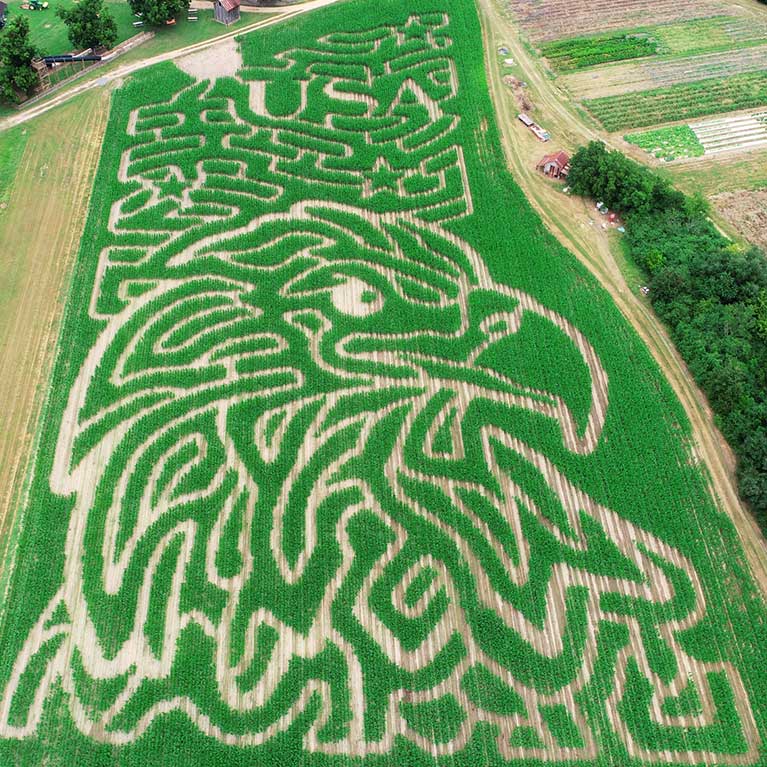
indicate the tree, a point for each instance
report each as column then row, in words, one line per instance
column 89, row 25
column 17, row 77
column 156, row 12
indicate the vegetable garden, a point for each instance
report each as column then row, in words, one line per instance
column 681, row 101
column 346, row 461
column 582, row 52
column 669, row 143
column 724, row 34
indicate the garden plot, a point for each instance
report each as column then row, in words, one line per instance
column 557, row 19
column 618, row 79
column 726, row 134
column 699, row 35
column 669, row 143
column 682, row 101
column 346, row 460
column 732, row 133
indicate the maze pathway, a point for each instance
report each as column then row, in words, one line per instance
column 324, row 473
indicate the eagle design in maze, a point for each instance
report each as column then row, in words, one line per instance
column 300, row 495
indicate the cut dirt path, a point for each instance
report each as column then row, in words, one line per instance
column 117, row 74
column 40, row 233
column 39, row 236
column 565, row 218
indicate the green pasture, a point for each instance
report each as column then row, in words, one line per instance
column 11, row 150
column 49, row 33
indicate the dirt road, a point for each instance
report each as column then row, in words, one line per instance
column 591, row 246
column 117, row 74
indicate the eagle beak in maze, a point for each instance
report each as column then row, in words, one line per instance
column 225, row 431
column 256, row 390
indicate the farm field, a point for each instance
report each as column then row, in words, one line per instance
column 557, row 19
column 46, row 172
column 670, row 143
column 746, row 212
column 640, row 65
column 721, row 173
column 647, row 74
column 345, row 460
column 710, row 137
column 707, row 34
column 683, row 101
column 696, row 36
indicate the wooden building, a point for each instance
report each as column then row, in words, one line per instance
column 227, row 11
column 555, row 165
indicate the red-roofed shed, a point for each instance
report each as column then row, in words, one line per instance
column 556, row 165
column 227, row 11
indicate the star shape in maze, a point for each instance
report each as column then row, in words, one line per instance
column 414, row 29
column 381, row 178
column 171, row 187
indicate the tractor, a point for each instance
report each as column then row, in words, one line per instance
column 38, row 5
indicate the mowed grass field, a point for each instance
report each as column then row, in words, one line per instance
column 49, row 33
column 46, row 172
column 345, row 461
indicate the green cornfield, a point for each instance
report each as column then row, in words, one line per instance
column 345, row 461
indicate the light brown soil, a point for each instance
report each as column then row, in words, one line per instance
column 39, row 236
column 746, row 212
column 221, row 60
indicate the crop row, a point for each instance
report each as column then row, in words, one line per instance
column 680, row 102
column 582, row 52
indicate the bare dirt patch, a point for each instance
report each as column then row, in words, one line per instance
column 221, row 60
column 553, row 19
column 746, row 212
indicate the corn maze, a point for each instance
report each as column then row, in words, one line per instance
column 345, row 459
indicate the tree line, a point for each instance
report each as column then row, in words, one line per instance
column 89, row 25
column 710, row 292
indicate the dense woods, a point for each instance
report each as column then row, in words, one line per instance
column 17, row 78
column 710, row 292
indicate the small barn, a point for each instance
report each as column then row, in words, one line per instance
column 555, row 165
column 227, row 11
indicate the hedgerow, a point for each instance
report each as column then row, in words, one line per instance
column 711, row 294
